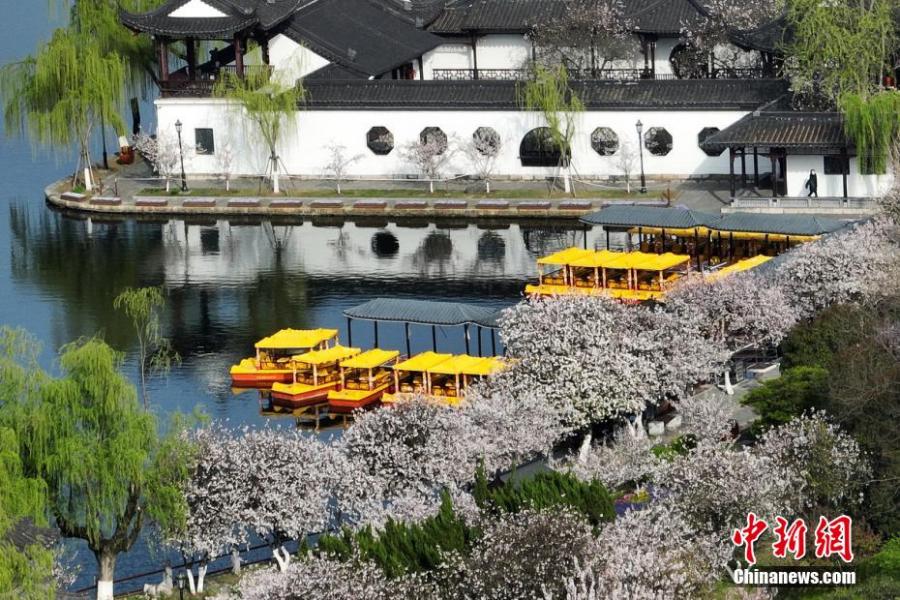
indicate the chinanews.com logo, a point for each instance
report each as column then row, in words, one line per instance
column 832, row 537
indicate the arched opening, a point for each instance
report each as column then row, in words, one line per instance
column 538, row 149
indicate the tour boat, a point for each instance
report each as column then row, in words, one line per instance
column 313, row 375
column 442, row 378
column 626, row 276
column 273, row 356
column 365, row 378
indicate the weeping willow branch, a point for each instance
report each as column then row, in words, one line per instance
column 56, row 96
column 873, row 124
column 268, row 103
column 548, row 92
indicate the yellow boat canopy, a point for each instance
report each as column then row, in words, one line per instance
column 678, row 232
column 287, row 339
column 370, row 359
column 564, row 257
column 772, row 237
column 422, row 362
column 661, row 262
column 463, row 364
column 741, row 265
column 321, row 357
column 596, row 259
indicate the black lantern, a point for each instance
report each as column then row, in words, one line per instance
column 184, row 187
column 640, row 131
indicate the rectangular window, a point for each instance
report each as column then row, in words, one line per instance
column 836, row 165
column 205, row 141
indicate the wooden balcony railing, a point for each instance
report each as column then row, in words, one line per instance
column 179, row 85
column 601, row 74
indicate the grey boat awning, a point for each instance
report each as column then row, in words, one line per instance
column 426, row 312
column 778, row 224
column 650, row 216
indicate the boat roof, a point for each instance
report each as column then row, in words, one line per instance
column 661, row 262
column 296, row 338
column 564, row 257
column 320, row 357
column 463, row 364
column 595, row 259
column 741, row 265
column 422, row 362
column 370, row 359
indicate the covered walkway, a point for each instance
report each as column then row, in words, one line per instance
column 426, row 312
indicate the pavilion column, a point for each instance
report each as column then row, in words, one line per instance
column 408, row 349
column 238, row 56
column 349, row 331
column 774, row 176
column 845, row 167
column 755, row 167
column 474, row 56
column 264, row 49
column 731, row 170
column 743, row 167
column 646, row 52
column 162, row 48
column 191, row 46
column 653, row 59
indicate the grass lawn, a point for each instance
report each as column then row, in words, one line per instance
column 515, row 193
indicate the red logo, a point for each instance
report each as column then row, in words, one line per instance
column 832, row 537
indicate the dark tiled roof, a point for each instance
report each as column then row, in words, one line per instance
column 240, row 15
column 665, row 17
column 650, row 216
column 686, row 94
column 783, row 129
column 359, row 35
column 334, row 72
column 781, row 224
column 424, row 311
column 769, row 37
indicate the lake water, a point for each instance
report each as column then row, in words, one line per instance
column 229, row 283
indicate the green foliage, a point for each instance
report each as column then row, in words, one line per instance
column 155, row 352
column 839, row 48
column 405, row 548
column 814, row 344
column 873, row 123
column 777, row 401
column 24, row 572
column 888, row 558
column 680, row 446
column 549, row 93
column 59, row 94
column 267, row 102
column 86, row 436
column 548, row 490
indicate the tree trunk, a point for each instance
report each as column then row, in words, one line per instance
column 192, row 588
column 430, row 186
column 168, row 189
column 339, row 187
column 282, row 557
column 106, row 560
column 487, row 186
column 235, row 561
column 728, row 387
column 201, row 575
column 585, row 449
column 227, row 184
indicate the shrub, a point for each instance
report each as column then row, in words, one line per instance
column 777, row 401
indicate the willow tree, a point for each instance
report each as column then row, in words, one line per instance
column 270, row 104
column 549, row 93
column 155, row 352
column 106, row 468
column 837, row 57
column 25, row 568
column 58, row 95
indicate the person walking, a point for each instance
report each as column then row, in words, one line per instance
column 812, row 184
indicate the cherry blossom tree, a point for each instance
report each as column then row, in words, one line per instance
column 600, row 357
column 482, row 151
column 855, row 265
column 225, row 158
column 164, row 154
column 430, row 154
column 626, row 162
column 737, row 312
column 339, row 164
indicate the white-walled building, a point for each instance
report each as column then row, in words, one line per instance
column 382, row 74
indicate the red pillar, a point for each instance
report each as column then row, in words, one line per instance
column 162, row 48
column 238, row 56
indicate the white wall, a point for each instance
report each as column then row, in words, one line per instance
column 447, row 56
column 799, row 166
column 503, row 51
column 290, row 61
column 304, row 151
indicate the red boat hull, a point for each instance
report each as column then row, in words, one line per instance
column 309, row 398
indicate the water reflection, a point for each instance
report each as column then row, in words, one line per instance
column 231, row 282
